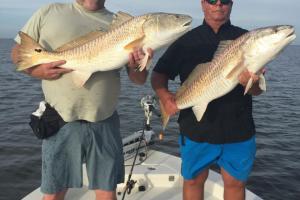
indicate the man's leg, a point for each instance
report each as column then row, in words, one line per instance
column 105, row 161
column 62, row 162
column 105, row 195
column 233, row 188
column 196, row 158
column 236, row 163
column 194, row 189
column 57, row 196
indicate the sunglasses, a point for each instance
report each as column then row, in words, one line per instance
column 213, row 2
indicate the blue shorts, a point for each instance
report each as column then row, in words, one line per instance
column 235, row 158
column 98, row 144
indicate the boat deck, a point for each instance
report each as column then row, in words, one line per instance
column 157, row 177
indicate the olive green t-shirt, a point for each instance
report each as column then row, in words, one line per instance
column 56, row 24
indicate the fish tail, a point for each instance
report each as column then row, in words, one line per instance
column 164, row 116
column 29, row 52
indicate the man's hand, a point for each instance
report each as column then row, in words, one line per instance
column 159, row 83
column 136, row 56
column 48, row 71
column 168, row 100
column 245, row 76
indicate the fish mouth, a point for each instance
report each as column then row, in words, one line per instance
column 291, row 34
column 187, row 23
column 288, row 29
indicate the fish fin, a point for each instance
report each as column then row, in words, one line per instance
column 199, row 110
column 164, row 116
column 199, row 70
column 236, row 68
column 262, row 83
column 29, row 52
column 248, row 86
column 145, row 62
column 119, row 18
column 135, row 44
column 149, row 63
column 80, row 40
column 80, row 78
column 221, row 47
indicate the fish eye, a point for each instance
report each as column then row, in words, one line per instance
column 38, row 50
column 275, row 30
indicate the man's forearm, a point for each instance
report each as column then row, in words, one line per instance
column 159, row 83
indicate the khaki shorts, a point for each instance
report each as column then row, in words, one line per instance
column 97, row 144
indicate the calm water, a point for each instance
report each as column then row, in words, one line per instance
column 276, row 173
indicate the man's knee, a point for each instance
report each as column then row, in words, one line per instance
column 105, row 195
column 231, row 182
column 56, row 196
column 199, row 180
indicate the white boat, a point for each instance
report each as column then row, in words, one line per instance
column 155, row 175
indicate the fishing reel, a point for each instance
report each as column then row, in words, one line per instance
column 149, row 104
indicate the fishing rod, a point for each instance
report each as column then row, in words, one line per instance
column 147, row 103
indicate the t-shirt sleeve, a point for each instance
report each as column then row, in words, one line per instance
column 169, row 63
column 33, row 25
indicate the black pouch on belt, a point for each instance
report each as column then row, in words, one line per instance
column 46, row 121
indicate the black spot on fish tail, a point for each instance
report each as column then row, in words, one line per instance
column 38, row 50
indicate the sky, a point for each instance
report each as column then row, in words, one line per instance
column 248, row 14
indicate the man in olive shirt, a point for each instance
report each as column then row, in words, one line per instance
column 92, row 133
